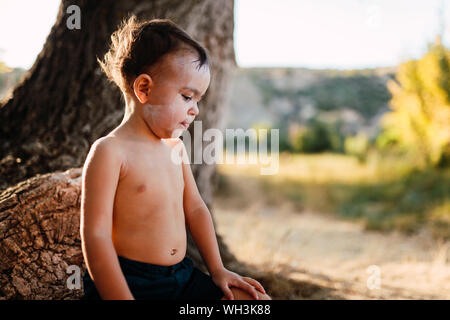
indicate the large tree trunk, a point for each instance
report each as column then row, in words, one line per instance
column 64, row 104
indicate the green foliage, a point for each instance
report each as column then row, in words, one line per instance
column 284, row 144
column 357, row 146
column 406, row 203
column 317, row 137
column 420, row 118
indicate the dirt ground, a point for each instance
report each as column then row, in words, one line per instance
column 339, row 257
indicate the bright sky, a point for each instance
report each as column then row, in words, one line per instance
column 302, row 33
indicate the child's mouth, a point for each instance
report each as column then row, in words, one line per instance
column 185, row 124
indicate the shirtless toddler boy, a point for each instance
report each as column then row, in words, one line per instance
column 137, row 201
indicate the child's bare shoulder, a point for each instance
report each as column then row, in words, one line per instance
column 108, row 145
column 107, row 151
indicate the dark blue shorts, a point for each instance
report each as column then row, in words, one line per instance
column 146, row 281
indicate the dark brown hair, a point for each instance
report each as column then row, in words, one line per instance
column 139, row 45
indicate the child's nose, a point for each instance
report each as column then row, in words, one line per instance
column 194, row 110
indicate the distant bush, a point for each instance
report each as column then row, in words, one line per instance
column 285, row 144
column 317, row 137
column 357, row 146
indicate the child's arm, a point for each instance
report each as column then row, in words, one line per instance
column 100, row 177
column 199, row 221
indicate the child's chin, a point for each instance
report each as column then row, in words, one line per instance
column 177, row 133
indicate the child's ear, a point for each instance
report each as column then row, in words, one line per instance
column 141, row 87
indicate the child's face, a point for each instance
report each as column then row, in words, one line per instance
column 177, row 87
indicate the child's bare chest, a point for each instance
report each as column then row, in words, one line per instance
column 148, row 220
column 150, row 179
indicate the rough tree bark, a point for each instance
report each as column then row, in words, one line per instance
column 63, row 104
column 39, row 237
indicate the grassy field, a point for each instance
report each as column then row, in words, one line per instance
column 382, row 193
column 317, row 223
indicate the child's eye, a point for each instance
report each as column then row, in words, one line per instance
column 186, row 98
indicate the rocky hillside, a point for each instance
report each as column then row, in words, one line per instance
column 282, row 96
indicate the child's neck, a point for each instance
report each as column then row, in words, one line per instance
column 134, row 123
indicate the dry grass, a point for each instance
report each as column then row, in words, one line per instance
column 300, row 254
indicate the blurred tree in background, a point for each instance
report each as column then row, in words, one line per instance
column 318, row 136
column 419, row 122
column 357, row 145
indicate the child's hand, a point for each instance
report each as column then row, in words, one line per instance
column 226, row 279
